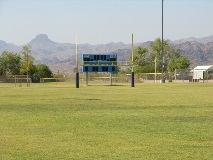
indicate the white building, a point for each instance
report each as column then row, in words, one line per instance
column 200, row 71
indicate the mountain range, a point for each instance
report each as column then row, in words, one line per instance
column 61, row 56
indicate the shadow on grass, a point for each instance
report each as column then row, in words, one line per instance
column 114, row 85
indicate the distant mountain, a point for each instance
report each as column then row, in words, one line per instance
column 192, row 39
column 8, row 47
column 46, row 51
column 61, row 56
column 198, row 53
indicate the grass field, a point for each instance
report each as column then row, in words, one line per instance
column 149, row 121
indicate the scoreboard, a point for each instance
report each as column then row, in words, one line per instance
column 99, row 63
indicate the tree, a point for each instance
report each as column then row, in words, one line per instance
column 156, row 52
column 178, row 63
column 9, row 63
column 145, row 63
column 42, row 71
column 139, row 56
column 27, row 62
column 13, row 64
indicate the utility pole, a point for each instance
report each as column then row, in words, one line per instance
column 28, row 50
column 162, row 80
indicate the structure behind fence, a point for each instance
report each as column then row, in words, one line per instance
column 183, row 75
column 16, row 79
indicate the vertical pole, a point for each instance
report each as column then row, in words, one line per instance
column 207, row 76
column 27, row 67
column 132, row 79
column 77, row 80
column 162, row 80
column 87, row 78
column 132, row 75
column 155, row 68
column 77, row 52
column 15, row 81
column 110, row 78
column 77, row 73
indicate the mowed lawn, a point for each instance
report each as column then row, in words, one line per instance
column 149, row 121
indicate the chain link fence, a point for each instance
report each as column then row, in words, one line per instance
column 180, row 75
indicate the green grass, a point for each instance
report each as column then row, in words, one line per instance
column 149, row 121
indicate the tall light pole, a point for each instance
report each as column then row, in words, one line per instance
column 162, row 80
column 27, row 68
column 28, row 51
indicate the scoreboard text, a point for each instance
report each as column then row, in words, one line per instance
column 99, row 63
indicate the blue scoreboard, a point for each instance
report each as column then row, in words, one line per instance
column 99, row 63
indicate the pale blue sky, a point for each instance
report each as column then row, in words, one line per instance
column 104, row 21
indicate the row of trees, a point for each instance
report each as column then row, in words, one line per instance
column 145, row 60
column 21, row 64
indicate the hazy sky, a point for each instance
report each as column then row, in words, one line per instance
column 104, row 21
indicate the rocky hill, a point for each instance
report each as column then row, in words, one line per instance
column 61, row 56
column 198, row 53
column 203, row 40
column 8, row 47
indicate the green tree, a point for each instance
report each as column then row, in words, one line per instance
column 41, row 71
column 9, row 63
column 27, row 62
column 178, row 63
column 139, row 56
column 156, row 52
column 146, row 63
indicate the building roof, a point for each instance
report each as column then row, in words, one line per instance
column 203, row 68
